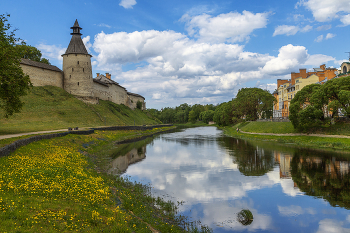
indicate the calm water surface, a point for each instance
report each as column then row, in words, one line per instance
column 286, row 189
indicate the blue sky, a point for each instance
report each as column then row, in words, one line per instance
column 175, row 52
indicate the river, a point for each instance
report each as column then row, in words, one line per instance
column 219, row 178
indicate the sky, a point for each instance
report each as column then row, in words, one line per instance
column 195, row 52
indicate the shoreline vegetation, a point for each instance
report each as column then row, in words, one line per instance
column 61, row 184
column 330, row 138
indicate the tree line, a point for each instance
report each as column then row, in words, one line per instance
column 249, row 104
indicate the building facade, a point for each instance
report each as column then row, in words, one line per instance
column 76, row 76
column 287, row 88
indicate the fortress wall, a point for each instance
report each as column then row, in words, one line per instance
column 101, row 91
column 133, row 101
column 119, row 94
column 42, row 77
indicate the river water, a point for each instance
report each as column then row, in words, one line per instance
column 215, row 177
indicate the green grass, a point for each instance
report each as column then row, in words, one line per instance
column 56, row 186
column 266, row 127
column 324, row 143
column 50, row 108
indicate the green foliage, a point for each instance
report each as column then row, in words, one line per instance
column 139, row 105
column 13, row 82
column 303, row 112
column 223, row 114
column 207, row 116
column 254, row 103
column 31, row 53
column 307, row 109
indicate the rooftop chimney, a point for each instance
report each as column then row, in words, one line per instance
column 108, row 76
column 97, row 74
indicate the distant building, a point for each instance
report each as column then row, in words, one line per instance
column 76, row 76
column 287, row 88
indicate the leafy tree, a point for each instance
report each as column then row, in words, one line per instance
column 192, row 116
column 207, row 116
column 13, row 82
column 305, row 110
column 223, row 113
column 254, row 103
column 31, row 53
column 139, row 104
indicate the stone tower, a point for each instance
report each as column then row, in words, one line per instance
column 77, row 66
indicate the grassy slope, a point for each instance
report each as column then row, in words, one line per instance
column 339, row 128
column 48, row 108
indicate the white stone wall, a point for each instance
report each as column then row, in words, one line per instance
column 42, row 77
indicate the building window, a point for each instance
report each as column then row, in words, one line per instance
column 345, row 70
column 70, row 76
column 72, row 69
column 83, row 69
column 78, row 83
column 78, row 62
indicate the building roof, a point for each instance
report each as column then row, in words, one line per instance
column 318, row 70
column 39, row 65
column 103, row 79
column 76, row 44
column 137, row 95
column 100, row 82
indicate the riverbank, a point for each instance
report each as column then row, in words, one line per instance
column 59, row 185
column 317, row 141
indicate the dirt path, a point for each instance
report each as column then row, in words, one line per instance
column 30, row 133
column 299, row 134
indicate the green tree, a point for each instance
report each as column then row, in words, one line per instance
column 192, row 116
column 305, row 110
column 254, row 103
column 207, row 116
column 13, row 82
column 223, row 113
column 31, row 53
column 139, row 104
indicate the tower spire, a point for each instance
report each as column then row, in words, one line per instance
column 76, row 28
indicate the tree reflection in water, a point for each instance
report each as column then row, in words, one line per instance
column 323, row 176
column 251, row 160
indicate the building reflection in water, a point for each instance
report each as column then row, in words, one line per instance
column 120, row 164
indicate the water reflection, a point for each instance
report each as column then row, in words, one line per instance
column 217, row 177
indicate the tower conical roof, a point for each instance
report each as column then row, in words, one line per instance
column 76, row 44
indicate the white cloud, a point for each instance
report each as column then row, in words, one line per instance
column 51, row 51
column 103, row 25
column 171, row 68
column 127, row 4
column 290, row 30
column 319, row 38
column 326, row 10
column 316, row 60
column 289, row 58
column 290, row 210
column 329, row 36
column 330, row 225
column 86, row 41
column 232, row 27
column 345, row 19
column 324, row 27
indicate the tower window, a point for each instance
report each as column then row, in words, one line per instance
column 78, row 83
column 78, row 62
column 70, row 76
column 83, row 69
column 72, row 69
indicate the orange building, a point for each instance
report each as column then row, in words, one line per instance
column 286, row 90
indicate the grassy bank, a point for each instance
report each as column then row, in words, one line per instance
column 340, row 128
column 55, row 186
column 50, row 108
column 326, row 143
